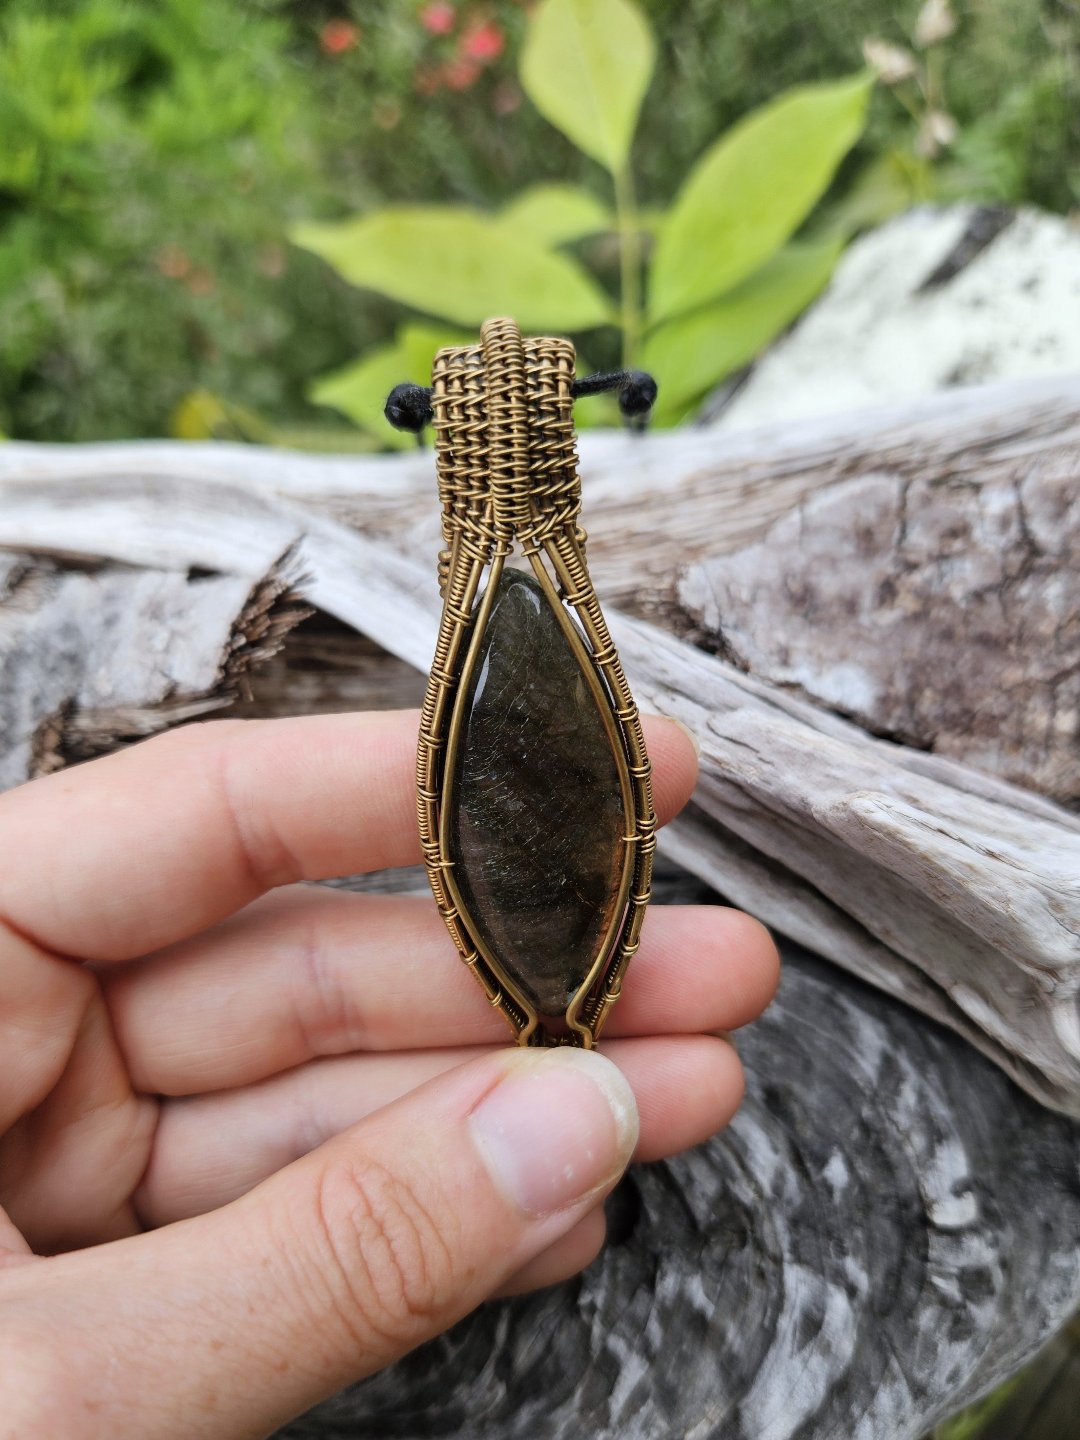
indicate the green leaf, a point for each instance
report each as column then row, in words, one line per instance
column 556, row 214
column 697, row 350
column 650, row 218
column 202, row 415
column 751, row 191
column 459, row 265
column 586, row 65
column 419, row 342
column 359, row 390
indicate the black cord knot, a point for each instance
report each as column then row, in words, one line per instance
column 408, row 407
column 638, row 396
column 637, row 392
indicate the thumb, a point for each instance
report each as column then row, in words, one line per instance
column 227, row 1325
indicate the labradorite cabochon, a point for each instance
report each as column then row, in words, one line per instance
column 536, row 807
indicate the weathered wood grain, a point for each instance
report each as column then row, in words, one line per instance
column 90, row 657
column 955, row 893
column 941, row 611
column 948, row 617
column 654, row 502
column 885, row 1231
column 889, row 1226
column 940, row 883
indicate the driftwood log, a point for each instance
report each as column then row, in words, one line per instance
column 851, row 1280
column 937, row 880
column 889, row 1226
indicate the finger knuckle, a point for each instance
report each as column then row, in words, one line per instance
column 387, row 1257
column 261, row 851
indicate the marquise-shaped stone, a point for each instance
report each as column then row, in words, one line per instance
column 536, row 819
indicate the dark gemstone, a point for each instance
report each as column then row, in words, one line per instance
column 537, row 815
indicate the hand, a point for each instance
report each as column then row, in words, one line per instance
column 235, row 1122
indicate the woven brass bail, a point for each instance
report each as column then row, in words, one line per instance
column 508, row 425
column 506, row 461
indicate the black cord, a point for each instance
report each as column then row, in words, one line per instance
column 408, row 406
column 637, row 392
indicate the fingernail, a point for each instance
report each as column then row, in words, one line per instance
column 688, row 733
column 562, row 1124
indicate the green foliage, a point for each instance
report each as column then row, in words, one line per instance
column 154, row 154
column 586, row 66
column 147, row 164
column 557, row 214
column 360, row 390
column 718, row 291
column 202, row 415
column 696, row 350
column 1032, row 137
column 460, row 265
column 1025, row 143
column 751, row 191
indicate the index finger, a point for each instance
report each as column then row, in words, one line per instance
column 121, row 856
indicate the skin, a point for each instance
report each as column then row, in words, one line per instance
column 259, row 1139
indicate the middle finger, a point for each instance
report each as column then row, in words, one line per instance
column 310, row 972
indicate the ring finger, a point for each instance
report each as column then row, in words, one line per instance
column 210, row 1149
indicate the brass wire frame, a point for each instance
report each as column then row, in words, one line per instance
column 506, row 463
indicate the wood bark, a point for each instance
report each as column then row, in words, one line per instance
column 935, row 610
column 93, row 657
column 914, row 568
column 885, row 1231
column 889, row 1226
column 934, row 879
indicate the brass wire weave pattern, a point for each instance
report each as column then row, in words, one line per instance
column 506, row 463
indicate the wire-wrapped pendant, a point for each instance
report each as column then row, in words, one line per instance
column 533, row 787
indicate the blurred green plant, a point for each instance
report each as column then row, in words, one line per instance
column 148, row 152
column 202, row 415
column 954, row 150
column 916, row 76
column 153, row 154
column 723, row 275
column 915, row 73
column 971, row 1423
column 916, row 170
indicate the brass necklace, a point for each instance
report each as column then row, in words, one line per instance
column 534, row 796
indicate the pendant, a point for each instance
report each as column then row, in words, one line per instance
column 534, row 796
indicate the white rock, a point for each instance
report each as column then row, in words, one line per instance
column 877, row 335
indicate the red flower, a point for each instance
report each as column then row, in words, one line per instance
column 337, row 36
column 483, row 42
column 438, row 18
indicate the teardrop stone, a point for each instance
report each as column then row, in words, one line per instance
column 537, row 814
